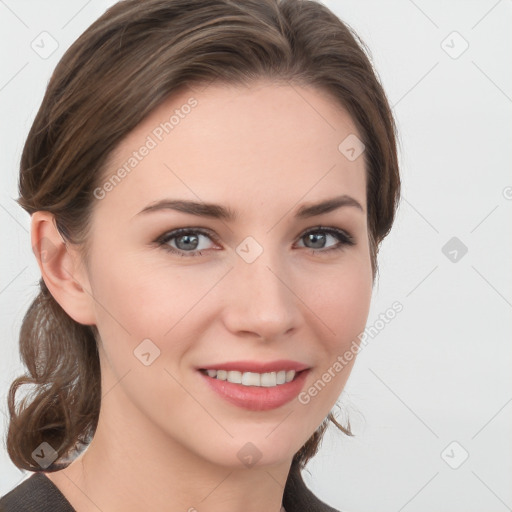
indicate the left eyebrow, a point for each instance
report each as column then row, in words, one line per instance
column 217, row 211
column 312, row 210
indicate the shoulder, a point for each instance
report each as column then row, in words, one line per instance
column 35, row 494
column 299, row 498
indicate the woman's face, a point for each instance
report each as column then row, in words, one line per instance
column 245, row 290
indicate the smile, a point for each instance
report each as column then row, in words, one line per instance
column 255, row 391
column 267, row 379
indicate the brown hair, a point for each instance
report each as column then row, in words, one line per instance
column 136, row 55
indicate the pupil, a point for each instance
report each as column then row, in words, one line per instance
column 187, row 239
column 317, row 239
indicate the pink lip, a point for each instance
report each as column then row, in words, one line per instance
column 257, row 367
column 255, row 398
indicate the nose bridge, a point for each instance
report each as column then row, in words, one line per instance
column 262, row 301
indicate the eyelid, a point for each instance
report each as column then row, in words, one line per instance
column 348, row 238
column 163, row 240
column 174, row 233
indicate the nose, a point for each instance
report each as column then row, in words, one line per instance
column 261, row 302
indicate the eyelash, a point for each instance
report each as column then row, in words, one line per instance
column 344, row 240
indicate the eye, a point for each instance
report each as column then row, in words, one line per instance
column 187, row 241
column 319, row 235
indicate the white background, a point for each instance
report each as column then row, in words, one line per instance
column 441, row 370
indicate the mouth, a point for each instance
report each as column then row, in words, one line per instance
column 266, row 379
column 241, row 385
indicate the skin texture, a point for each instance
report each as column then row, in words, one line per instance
column 165, row 441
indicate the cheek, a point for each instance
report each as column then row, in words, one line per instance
column 137, row 301
column 144, row 299
column 341, row 308
column 340, row 296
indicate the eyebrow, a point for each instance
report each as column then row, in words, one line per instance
column 217, row 211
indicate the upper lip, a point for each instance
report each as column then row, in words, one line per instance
column 257, row 366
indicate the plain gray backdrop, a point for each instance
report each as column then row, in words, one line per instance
column 430, row 396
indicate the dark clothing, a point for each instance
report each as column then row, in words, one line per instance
column 39, row 494
column 35, row 494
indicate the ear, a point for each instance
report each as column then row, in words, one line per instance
column 61, row 268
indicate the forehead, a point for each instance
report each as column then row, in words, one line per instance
column 244, row 146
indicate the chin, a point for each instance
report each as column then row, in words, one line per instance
column 252, row 451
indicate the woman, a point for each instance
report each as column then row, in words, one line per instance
column 195, row 168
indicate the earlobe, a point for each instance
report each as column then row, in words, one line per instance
column 61, row 269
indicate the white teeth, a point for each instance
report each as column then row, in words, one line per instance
column 268, row 380
column 251, row 379
column 234, row 376
column 290, row 375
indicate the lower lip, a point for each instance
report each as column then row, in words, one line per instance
column 257, row 398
